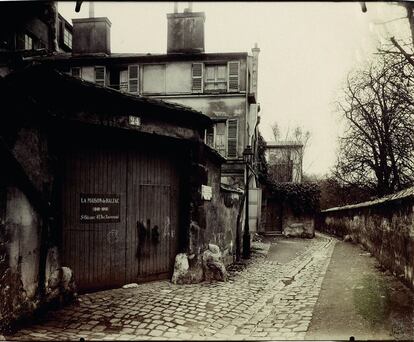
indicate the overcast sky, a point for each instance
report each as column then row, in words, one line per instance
column 307, row 49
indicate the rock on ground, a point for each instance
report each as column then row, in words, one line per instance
column 187, row 269
column 213, row 264
column 298, row 230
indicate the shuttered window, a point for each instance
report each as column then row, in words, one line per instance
column 133, row 78
column 197, row 77
column 76, row 72
column 232, row 129
column 220, row 138
column 100, row 75
column 233, row 76
column 210, row 136
column 28, row 42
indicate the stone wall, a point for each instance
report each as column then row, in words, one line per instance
column 385, row 227
column 291, row 224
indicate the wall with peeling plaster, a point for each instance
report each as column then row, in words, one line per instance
column 22, row 278
column 214, row 221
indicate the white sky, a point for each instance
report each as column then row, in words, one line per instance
column 307, row 49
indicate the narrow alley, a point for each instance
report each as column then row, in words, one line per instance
column 291, row 289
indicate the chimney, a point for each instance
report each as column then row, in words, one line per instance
column 91, row 35
column 255, row 65
column 185, row 31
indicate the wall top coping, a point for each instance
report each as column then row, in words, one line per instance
column 389, row 198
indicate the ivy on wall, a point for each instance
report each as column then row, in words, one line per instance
column 303, row 198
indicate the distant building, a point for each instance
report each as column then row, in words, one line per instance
column 285, row 161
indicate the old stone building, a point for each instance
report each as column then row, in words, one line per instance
column 221, row 85
column 105, row 189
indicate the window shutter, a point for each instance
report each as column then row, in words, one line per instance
column 233, row 76
column 197, row 77
column 133, row 78
column 100, row 75
column 20, row 41
column 232, row 128
column 76, row 72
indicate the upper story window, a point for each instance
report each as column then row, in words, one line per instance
column 215, row 78
column 67, row 37
column 28, row 42
column 154, row 79
column 223, row 77
column 100, row 75
column 223, row 136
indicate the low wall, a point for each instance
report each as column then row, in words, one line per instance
column 284, row 219
column 385, row 227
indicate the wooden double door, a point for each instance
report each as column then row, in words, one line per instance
column 274, row 216
column 120, row 209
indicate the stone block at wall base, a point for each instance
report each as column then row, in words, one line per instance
column 61, row 286
column 187, row 269
column 192, row 269
column 213, row 264
column 298, row 230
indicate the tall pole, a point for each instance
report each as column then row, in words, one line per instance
column 246, row 235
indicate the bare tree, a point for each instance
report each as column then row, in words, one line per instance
column 377, row 150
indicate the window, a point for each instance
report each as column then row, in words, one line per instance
column 209, row 140
column 232, row 130
column 215, row 78
column 100, row 75
column 197, row 77
column 216, row 137
column 233, row 76
column 28, row 42
column 220, row 138
column 154, row 79
column 67, row 37
column 76, row 72
column 133, row 78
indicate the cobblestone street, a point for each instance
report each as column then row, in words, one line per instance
column 267, row 300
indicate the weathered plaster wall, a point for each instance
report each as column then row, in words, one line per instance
column 385, row 229
column 23, row 266
column 233, row 107
column 22, row 224
column 19, row 260
column 213, row 221
column 221, row 215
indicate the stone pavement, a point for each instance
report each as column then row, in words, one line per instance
column 265, row 300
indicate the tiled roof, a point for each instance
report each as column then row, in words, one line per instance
column 185, row 112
